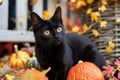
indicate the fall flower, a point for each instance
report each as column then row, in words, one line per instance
column 108, row 70
column 112, row 72
column 117, row 62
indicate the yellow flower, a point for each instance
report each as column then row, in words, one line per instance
column 102, row 8
column 103, row 23
column 85, row 28
column 95, row 16
column 109, row 50
column 89, row 10
column 90, row 1
column 95, row 33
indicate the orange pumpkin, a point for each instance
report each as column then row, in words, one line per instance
column 85, row 71
column 19, row 58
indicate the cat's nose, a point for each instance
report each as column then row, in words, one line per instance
column 56, row 36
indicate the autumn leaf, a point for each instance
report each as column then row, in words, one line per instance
column 33, row 74
column 9, row 77
column 111, row 44
column 89, row 10
column 43, row 73
column 46, row 15
column 104, row 2
column 85, row 28
column 28, row 75
column 103, row 23
column 1, row 64
column 95, row 16
column 95, row 33
column 117, row 20
column 75, row 29
column 109, row 50
column 97, row 13
column 102, row 8
column 80, row 3
column 73, row 1
column 90, row 1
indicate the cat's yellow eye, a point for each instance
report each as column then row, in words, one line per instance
column 59, row 29
column 46, row 32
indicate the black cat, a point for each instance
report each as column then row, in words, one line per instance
column 60, row 50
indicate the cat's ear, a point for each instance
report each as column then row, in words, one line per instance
column 57, row 15
column 35, row 19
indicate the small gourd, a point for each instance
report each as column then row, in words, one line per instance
column 33, row 63
column 19, row 58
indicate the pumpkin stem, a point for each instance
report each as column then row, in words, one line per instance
column 80, row 61
column 16, row 51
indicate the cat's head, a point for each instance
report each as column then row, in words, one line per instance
column 50, row 31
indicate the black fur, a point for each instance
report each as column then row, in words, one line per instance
column 60, row 50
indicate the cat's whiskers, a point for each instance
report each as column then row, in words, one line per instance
column 40, row 41
column 44, row 44
column 48, row 51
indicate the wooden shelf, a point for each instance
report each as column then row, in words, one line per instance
column 16, row 36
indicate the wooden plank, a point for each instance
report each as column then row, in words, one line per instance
column 16, row 36
column 114, row 51
column 110, row 12
column 4, row 15
column 38, row 7
column 21, row 14
column 104, row 46
column 51, row 6
column 109, row 18
column 107, row 39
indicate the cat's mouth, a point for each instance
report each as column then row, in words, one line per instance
column 57, row 41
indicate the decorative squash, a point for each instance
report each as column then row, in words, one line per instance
column 85, row 71
column 32, row 74
column 33, row 63
column 19, row 58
